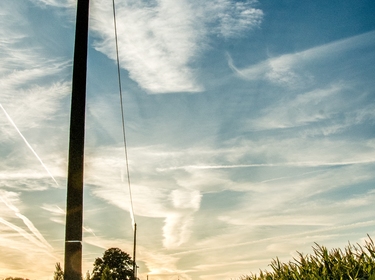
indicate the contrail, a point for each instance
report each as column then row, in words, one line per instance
column 27, row 222
column 27, row 143
column 21, row 231
column 281, row 164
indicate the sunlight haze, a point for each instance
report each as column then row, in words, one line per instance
column 250, row 131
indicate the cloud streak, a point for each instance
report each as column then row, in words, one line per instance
column 289, row 70
column 28, row 145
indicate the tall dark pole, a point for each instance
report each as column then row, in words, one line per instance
column 74, row 205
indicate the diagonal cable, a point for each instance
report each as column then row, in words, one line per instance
column 122, row 114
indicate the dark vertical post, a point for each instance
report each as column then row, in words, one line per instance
column 134, row 248
column 74, row 205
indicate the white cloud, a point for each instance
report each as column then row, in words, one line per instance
column 283, row 70
column 178, row 222
column 175, row 206
column 159, row 40
column 33, row 92
column 176, row 230
column 323, row 111
column 269, row 180
column 171, row 192
column 156, row 43
column 57, row 214
column 234, row 18
column 303, row 109
column 290, row 70
column 185, row 199
column 56, row 3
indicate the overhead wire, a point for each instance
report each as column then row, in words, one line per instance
column 122, row 116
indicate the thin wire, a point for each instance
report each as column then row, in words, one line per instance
column 122, row 113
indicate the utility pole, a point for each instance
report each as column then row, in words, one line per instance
column 134, row 248
column 74, row 205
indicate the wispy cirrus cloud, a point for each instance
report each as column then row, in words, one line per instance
column 159, row 40
column 300, row 110
column 56, row 3
column 33, row 110
column 174, row 204
column 265, row 179
column 297, row 166
column 322, row 111
column 231, row 19
column 33, row 90
column 57, row 214
column 290, row 70
column 35, row 106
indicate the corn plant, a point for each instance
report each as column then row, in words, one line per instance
column 356, row 262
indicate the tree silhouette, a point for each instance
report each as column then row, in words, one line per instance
column 118, row 263
column 58, row 274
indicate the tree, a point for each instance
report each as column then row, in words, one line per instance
column 118, row 263
column 106, row 275
column 59, row 274
column 87, row 277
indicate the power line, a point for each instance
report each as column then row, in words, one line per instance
column 122, row 113
column 125, row 146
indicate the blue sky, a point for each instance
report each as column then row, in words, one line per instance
column 250, row 131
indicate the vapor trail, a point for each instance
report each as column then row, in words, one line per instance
column 35, row 232
column 22, row 232
column 285, row 164
column 27, row 143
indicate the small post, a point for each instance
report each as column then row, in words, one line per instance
column 134, row 248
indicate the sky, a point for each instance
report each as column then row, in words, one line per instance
column 250, row 129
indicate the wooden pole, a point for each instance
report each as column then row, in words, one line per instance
column 134, row 249
column 74, row 205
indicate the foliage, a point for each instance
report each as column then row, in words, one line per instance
column 106, row 275
column 354, row 263
column 118, row 263
column 58, row 274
